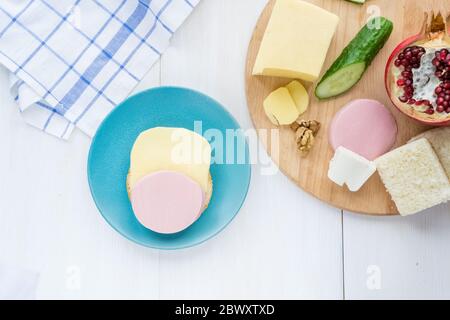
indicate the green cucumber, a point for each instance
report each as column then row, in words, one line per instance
column 357, row 1
column 348, row 69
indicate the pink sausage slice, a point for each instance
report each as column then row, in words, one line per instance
column 167, row 202
column 365, row 127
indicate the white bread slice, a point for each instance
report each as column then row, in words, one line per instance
column 440, row 140
column 414, row 177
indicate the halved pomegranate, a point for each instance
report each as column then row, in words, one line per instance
column 417, row 74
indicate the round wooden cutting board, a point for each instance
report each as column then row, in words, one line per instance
column 310, row 172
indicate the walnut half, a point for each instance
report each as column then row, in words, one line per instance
column 305, row 132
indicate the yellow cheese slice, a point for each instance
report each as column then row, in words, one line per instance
column 173, row 149
column 286, row 104
column 280, row 108
column 296, row 41
column 299, row 95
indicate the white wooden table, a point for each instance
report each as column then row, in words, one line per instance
column 283, row 244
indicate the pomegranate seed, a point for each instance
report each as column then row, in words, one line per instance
column 442, row 95
column 419, row 103
column 407, row 74
column 446, row 104
column 447, row 91
column 401, row 56
column 443, row 54
column 438, row 90
column 447, row 97
column 408, row 90
column 416, row 65
column 408, row 82
column 438, row 74
column 398, row 63
column 411, row 101
column 414, row 60
column 436, row 62
column 429, row 111
column 400, row 82
column 426, row 102
column 440, row 109
column 440, row 101
column 403, row 99
column 447, row 85
column 405, row 62
column 447, row 110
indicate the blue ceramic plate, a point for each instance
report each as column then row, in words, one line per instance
column 109, row 161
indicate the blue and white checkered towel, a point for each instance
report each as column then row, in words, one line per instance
column 73, row 61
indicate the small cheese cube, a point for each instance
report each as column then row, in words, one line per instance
column 351, row 169
column 296, row 41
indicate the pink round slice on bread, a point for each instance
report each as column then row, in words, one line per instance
column 365, row 127
column 167, row 202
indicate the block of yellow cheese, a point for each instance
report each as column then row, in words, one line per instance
column 296, row 41
column 170, row 149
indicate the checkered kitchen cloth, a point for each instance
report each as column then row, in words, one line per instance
column 72, row 61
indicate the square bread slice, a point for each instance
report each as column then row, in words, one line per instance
column 440, row 140
column 414, row 177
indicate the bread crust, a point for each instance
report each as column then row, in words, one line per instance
column 440, row 141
